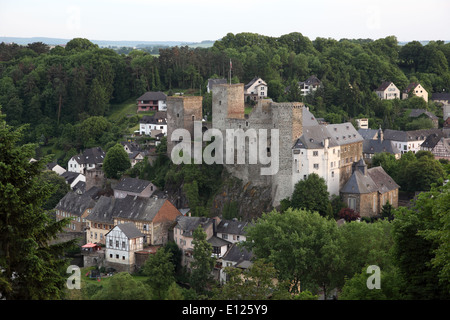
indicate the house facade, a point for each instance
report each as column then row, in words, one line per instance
column 152, row 101
column 316, row 152
column 368, row 190
column 415, row 89
column 310, row 85
column 378, row 144
column 407, row 141
column 438, row 145
column 156, row 122
column 256, row 89
column 232, row 230
column 100, row 221
column 76, row 207
column 89, row 159
column 121, row 244
column 133, row 187
column 388, row 91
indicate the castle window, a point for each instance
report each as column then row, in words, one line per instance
column 316, row 166
column 178, row 115
column 315, row 153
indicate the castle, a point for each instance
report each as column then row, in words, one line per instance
column 302, row 145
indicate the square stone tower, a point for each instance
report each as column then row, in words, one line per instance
column 182, row 111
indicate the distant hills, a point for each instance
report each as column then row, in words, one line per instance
column 107, row 43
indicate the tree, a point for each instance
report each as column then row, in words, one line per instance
column 259, row 282
column 160, row 270
column 203, row 262
column 116, row 162
column 301, row 245
column 31, row 267
column 122, row 286
column 421, row 243
column 311, row 194
column 59, row 188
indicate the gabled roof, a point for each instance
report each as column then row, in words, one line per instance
column 308, row 118
column 134, row 185
column 90, row 156
column 137, row 208
column 237, row 254
column 159, row 117
column 344, row 133
column 418, row 112
column 376, row 146
column 153, row 96
column 232, row 227
column 130, row 230
column 410, row 87
column 440, row 96
column 189, row 224
column 432, row 140
column 75, row 203
column 368, row 134
column 218, row 242
column 103, row 210
column 248, row 85
column 311, row 81
column 384, row 86
column 371, row 180
column 313, row 138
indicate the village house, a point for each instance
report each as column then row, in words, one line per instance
column 128, row 186
column 441, row 97
column 388, row 91
column 89, row 159
column 378, row 144
column 76, row 207
column 73, row 178
column 237, row 257
column 152, row 216
column 53, row 166
column 232, row 230
column 316, row 151
column 310, row 85
column 438, row 145
column 100, row 221
column 417, row 113
column 121, row 244
column 134, row 151
column 407, row 141
column 368, row 190
column 152, row 125
column 362, row 123
column 415, row 89
column 256, row 89
column 183, row 234
column 152, row 101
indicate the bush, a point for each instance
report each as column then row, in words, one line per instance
column 348, row 214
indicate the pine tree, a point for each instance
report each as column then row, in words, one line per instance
column 30, row 267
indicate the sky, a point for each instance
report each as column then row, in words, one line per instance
column 198, row 20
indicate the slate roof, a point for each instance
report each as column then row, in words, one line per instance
column 384, row 86
column 376, row 146
column 308, row 118
column 218, row 242
column 137, row 208
column 368, row 133
column 238, row 254
column 432, row 140
column 153, row 96
column 440, row 96
column 344, row 133
column 248, row 85
column 189, row 224
column 74, row 203
column 132, row 185
column 130, row 230
column 159, row 117
column 371, row 180
column 103, row 210
column 311, row 81
column 90, row 156
column 406, row 136
column 70, row 176
column 418, row 112
column 232, row 227
column 313, row 137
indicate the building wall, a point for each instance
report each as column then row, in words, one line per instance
column 116, row 252
column 348, row 153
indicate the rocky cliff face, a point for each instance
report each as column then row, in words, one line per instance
column 250, row 201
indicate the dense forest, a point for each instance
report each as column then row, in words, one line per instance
column 57, row 90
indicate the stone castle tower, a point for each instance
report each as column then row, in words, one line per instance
column 182, row 111
column 228, row 112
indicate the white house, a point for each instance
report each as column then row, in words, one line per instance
column 89, row 159
column 415, row 89
column 388, row 91
column 310, row 85
column 53, row 166
column 408, row 140
column 256, row 89
column 157, row 123
column 152, row 101
column 316, row 151
column 121, row 244
column 232, row 230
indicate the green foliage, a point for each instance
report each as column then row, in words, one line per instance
column 31, row 267
column 116, row 162
column 311, row 194
column 160, row 270
column 122, row 286
column 203, row 262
